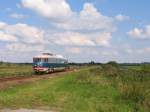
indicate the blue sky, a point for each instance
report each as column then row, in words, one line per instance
column 80, row 30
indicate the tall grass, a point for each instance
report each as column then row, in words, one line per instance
column 10, row 69
column 101, row 88
column 133, row 85
column 84, row 90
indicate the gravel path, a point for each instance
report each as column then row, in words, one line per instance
column 7, row 82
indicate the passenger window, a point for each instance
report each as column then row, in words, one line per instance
column 46, row 60
column 62, row 61
column 38, row 59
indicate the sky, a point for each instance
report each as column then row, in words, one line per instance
column 80, row 30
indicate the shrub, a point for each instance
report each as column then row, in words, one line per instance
column 113, row 63
column 89, row 77
column 132, row 92
column 96, row 70
column 132, row 84
column 111, row 70
column 145, row 68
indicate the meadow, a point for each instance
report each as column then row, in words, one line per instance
column 102, row 88
column 11, row 69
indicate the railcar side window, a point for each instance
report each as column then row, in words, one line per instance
column 45, row 59
column 62, row 61
column 52, row 60
column 36, row 60
column 66, row 61
column 55, row 60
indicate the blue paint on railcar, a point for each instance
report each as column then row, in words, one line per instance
column 49, row 62
column 50, row 65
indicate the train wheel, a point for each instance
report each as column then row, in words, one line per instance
column 47, row 71
column 36, row 72
column 52, row 69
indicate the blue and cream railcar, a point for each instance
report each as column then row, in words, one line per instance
column 48, row 62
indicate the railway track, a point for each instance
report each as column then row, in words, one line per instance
column 9, row 81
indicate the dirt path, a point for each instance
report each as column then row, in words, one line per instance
column 7, row 82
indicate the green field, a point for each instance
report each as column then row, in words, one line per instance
column 103, row 88
column 9, row 70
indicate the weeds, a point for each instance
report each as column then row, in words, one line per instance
column 133, row 85
column 9, row 70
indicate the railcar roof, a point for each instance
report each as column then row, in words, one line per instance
column 46, row 55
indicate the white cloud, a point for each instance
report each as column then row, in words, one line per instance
column 95, row 27
column 60, row 14
column 140, row 33
column 88, row 51
column 147, row 49
column 2, row 25
column 52, row 9
column 7, row 37
column 71, row 39
column 132, row 51
column 17, row 16
column 128, row 50
column 81, row 39
column 73, row 50
column 111, row 53
column 20, row 47
column 121, row 17
column 23, row 32
column 103, row 39
column 89, row 10
column 89, row 19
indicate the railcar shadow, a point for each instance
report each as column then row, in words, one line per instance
column 50, row 72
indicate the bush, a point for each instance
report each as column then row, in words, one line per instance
column 96, row 70
column 113, row 63
column 132, row 92
column 133, row 85
column 111, row 70
column 145, row 68
column 135, row 92
column 89, row 77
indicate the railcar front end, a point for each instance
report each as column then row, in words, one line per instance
column 49, row 63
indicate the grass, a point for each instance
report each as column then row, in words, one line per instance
column 104, row 88
column 133, row 85
column 81, row 91
column 9, row 70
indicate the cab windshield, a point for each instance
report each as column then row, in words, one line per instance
column 36, row 60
